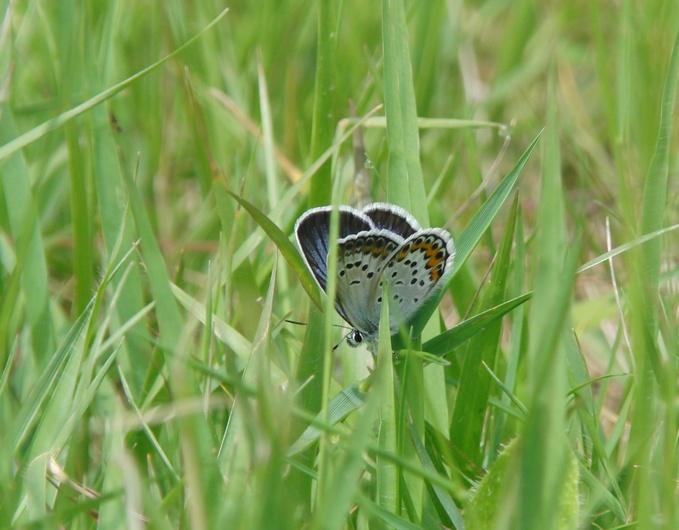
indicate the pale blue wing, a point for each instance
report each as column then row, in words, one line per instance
column 361, row 260
column 418, row 269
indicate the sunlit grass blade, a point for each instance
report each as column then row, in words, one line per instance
column 39, row 395
column 655, row 383
column 388, row 491
column 655, row 186
column 544, row 453
column 82, row 402
column 36, row 483
column 269, row 142
column 405, row 186
column 323, row 119
column 380, row 122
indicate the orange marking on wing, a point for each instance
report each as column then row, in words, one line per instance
column 404, row 253
column 434, row 261
column 435, row 274
column 379, row 250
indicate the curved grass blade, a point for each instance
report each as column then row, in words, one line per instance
column 451, row 339
column 625, row 247
column 473, row 232
column 471, row 235
column 286, row 247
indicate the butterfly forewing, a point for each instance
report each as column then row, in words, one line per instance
column 312, row 231
column 393, row 218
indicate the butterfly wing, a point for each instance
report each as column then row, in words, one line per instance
column 383, row 242
column 390, row 217
column 312, row 231
column 417, row 271
column 360, row 262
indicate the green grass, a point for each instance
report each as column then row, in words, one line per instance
column 153, row 159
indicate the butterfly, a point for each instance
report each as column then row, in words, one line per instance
column 381, row 242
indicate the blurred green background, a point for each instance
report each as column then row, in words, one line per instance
column 147, row 375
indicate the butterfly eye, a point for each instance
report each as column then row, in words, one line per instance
column 354, row 338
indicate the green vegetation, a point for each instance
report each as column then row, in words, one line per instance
column 154, row 157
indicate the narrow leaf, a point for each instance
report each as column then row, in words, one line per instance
column 286, row 247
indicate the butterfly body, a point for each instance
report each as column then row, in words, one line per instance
column 382, row 242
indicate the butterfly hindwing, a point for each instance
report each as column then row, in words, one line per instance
column 360, row 262
column 418, row 269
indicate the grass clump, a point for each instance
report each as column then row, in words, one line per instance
column 154, row 158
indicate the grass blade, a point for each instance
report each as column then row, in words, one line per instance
column 449, row 340
column 323, row 119
column 405, row 186
column 473, row 392
column 38, row 132
column 286, row 247
column 471, row 235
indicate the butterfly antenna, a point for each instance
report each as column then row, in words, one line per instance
column 295, row 322
column 341, row 340
column 336, row 325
